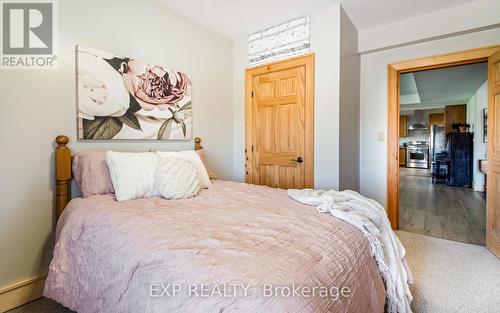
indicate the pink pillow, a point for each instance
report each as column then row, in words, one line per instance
column 91, row 173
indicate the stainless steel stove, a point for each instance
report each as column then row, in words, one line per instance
column 417, row 154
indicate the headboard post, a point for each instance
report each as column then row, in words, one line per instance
column 197, row 143
column 63, row 174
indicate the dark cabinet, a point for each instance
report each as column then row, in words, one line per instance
column 459, row 146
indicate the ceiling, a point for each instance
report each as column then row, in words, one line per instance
column 236, row 18
column 435, row 88
column 370, row 13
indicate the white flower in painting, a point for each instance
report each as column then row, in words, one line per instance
column 101, row 91
column 179, row 117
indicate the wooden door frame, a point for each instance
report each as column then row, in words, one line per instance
column 394, row 71
column 307, row 61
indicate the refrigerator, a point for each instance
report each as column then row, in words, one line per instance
column 437, row 142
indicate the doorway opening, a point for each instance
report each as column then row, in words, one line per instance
column 491, row 55
column 443, row 141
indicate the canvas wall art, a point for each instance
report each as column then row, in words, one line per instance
column 125, row 98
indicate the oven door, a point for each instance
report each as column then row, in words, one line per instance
column 416, row 158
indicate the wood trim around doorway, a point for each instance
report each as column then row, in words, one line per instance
column 394, row 71
column 308, row 62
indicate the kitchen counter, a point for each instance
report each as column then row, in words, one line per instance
column 483, row 168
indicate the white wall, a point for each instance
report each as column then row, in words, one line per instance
column 349, row 105
column 37, row 105
column 463, row 18
column 373, row 154
column 325, row 42
column 240, row 63
column 471, row 111
column 475, row 106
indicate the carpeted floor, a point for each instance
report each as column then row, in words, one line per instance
column 449, row 277
column 42, row 305
column 452, row 276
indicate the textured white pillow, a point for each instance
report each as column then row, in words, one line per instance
column 177, row 178
column 194, row 158
column 133, row 174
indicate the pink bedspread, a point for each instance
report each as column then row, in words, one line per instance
column 234, row 248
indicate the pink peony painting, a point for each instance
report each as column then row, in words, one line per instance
column 124, row 98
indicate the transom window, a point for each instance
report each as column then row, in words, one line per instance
column 279, row 42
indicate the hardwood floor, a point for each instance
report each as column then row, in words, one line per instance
column 438, row 210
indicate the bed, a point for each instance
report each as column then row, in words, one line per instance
column 234, row 248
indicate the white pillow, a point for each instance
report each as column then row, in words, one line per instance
column 177, row 178
column 193, row 157
column 133, row 174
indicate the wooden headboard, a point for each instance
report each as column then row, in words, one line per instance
column 64, row 157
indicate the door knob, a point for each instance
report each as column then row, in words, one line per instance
column 298, row 160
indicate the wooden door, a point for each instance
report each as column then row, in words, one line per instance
column 493, row 194
column 279, row 125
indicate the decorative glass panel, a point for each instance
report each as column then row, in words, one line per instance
column 279, row 42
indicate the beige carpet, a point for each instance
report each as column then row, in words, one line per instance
column 452, row 276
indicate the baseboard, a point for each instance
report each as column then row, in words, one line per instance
column 493, row 244
column 478, row 186
column 21, row 293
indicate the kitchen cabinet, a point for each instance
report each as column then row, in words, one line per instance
column 403, row 126
column 436, row 119
column 454, row 114
column 402, row 156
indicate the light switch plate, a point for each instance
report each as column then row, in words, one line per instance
column 381, row 136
